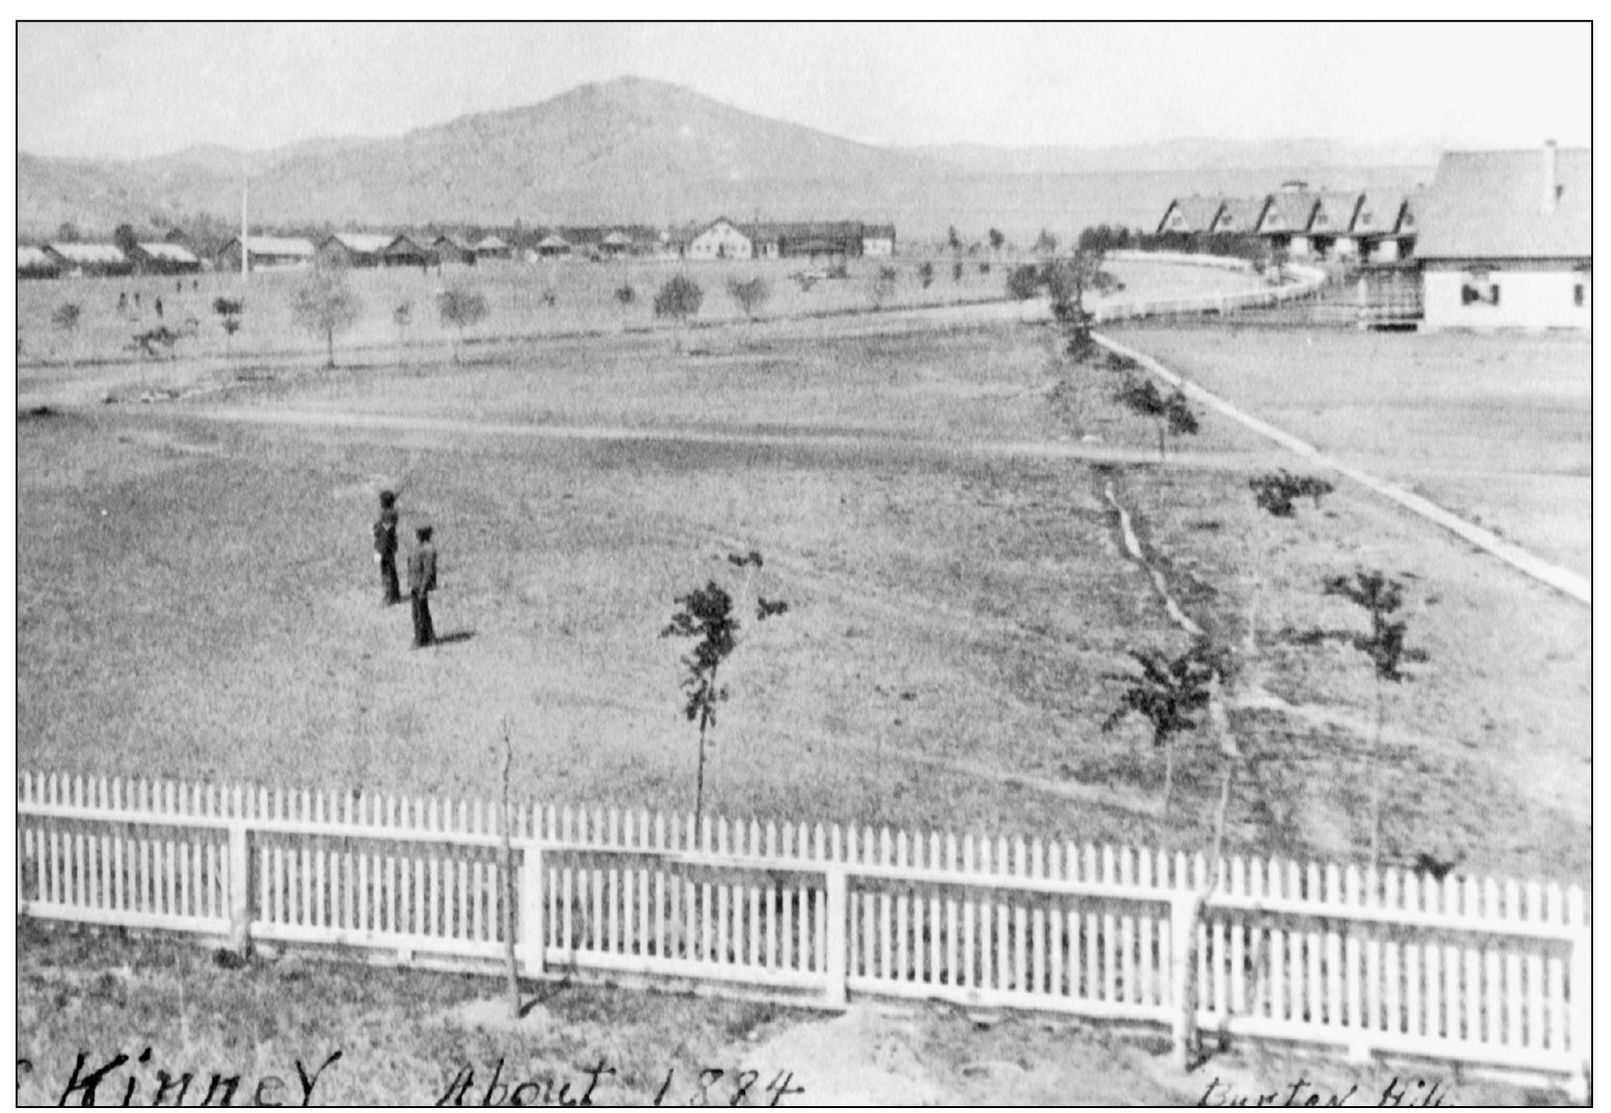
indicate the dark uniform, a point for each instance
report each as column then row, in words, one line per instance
column 421, row 582
column 386, row 549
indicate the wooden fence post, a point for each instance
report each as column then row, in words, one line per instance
column 533, row 929
column 838, row 912
column 240, row 885
column 1184, row 910
column 1580, row 988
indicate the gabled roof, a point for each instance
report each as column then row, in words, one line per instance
column 172, row 252
column 1381, row 213
column 87, row 252
column 363, row 243
column 1239, row 214
column 1491, row 204
column 397, row 245
column 457, row 242
column 615, row 239
column 878, row 232
column 1335, row 213
column 1289, row 211
column 553, row 241
column 1197, row 214
column 31, row 258
column 722, row 220
column 491, row 243
column 276, row 245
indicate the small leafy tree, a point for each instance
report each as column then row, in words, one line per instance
column 625, row 294
column 125, row 239
column 1067, row 282
column 1275, row 491
column 1169, row 692
column 925, row 274
column 750, row 295
column 229, row 313
column 679, row 298
column 1172, row 411
column 325, row 305
column 66, row 318
column 882, row 287
column 707, row 614
column 402, row 317
column 956, row 272
column 996, row 239
column 1379, row 596
column 952, row 239
column 1045, row 243
column 1024, row 281
column 460, row 308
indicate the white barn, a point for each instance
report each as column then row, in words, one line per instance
column 1505, row 240
column 721, row 239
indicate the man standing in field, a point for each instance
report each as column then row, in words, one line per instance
column 386, row 549
column 421, row 582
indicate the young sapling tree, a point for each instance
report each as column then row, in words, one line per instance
column 679, row 298
column 707, row 614
column 324, row 305
column 66, row 318
column 1380, row 596
column 461, row 307
column 1169, row 692
column 229, row 311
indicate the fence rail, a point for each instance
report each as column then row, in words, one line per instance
column 1462, row 969
column 1305, row 283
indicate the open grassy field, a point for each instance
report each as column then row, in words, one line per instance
column 1495, row 428
column 583, row 301
column 195, row 599
column 956, row 613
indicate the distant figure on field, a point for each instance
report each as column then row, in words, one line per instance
column 178, row 285
column 159, row 308
column 123, row 301
column 137, row 299
column 421, row 582
column 386, row 549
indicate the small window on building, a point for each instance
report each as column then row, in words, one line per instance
column 1479, row 291
column 1579, row 295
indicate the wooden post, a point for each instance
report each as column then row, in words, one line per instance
column 533, row 928
column 240, row 885
column 1184, row 909
column 1580, row 988
column 838, row 911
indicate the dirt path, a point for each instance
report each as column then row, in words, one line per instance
column 903, row 445
column 1568, row 583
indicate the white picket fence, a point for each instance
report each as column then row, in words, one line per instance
column 1303, row 282
column 1465, row 970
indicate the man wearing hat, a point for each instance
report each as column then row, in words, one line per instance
column 421, row 582
column 386, row 549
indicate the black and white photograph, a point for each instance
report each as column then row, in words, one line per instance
column 803, row 564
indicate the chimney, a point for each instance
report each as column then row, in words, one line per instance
column 1551, row 188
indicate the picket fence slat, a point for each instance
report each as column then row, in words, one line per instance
column 1469, row 968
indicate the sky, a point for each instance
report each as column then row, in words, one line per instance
column 104, row 89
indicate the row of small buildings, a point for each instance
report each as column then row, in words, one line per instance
column 719, row 239
column 1500, row 239
column 1304, row 223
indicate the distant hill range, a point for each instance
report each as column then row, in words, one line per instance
column 633, row 150
column 1181, row 155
